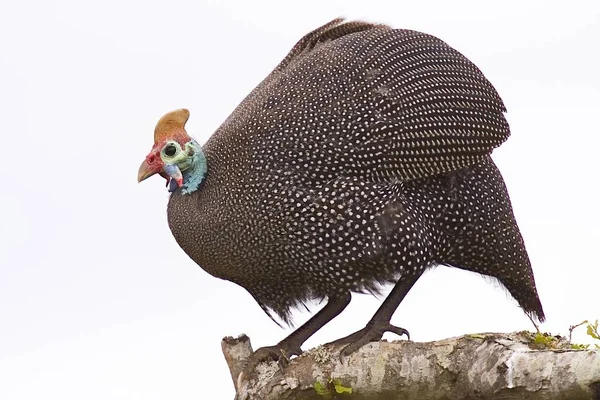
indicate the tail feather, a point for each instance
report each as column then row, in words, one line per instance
column 477, row 221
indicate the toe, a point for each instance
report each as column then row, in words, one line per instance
column 348, row 339
column 280, row 353
column 366, row 336
column 398, row 331
column 372, row 333
column 261, row 355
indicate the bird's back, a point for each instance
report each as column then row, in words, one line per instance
column 364, row 100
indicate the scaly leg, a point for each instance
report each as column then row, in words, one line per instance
column 290, row 346
column 380, row 322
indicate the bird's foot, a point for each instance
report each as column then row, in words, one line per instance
column 371, row 333
column 281, row 352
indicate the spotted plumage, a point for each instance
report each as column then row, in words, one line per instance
column 362, row 159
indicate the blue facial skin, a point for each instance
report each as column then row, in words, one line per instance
column 194, row 174
column 173, row 171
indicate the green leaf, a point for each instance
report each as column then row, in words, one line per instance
column 592, row 330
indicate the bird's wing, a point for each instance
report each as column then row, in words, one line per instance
column 426, row 110
column 360, row 99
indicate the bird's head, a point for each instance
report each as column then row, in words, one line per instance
column 175, row 155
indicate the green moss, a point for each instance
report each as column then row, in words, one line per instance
column 477, row 336
column 544, row 341
column 332, row 389
column 576, row 346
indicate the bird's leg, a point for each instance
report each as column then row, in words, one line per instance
column 290, row 346
column 380, row 322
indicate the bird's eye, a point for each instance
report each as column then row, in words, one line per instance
column 170, row 150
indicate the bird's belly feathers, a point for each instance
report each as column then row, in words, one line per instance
column 208, row 234
column 349, row 235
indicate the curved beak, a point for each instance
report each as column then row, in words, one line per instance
column 146, row 171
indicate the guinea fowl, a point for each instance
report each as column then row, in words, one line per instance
column 361, row 160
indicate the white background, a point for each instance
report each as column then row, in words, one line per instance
column 97, row 301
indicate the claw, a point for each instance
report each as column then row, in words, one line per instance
column 371, row 333
column 280, row 353
column 398, row 331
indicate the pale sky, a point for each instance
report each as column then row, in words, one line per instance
column 97, row 301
